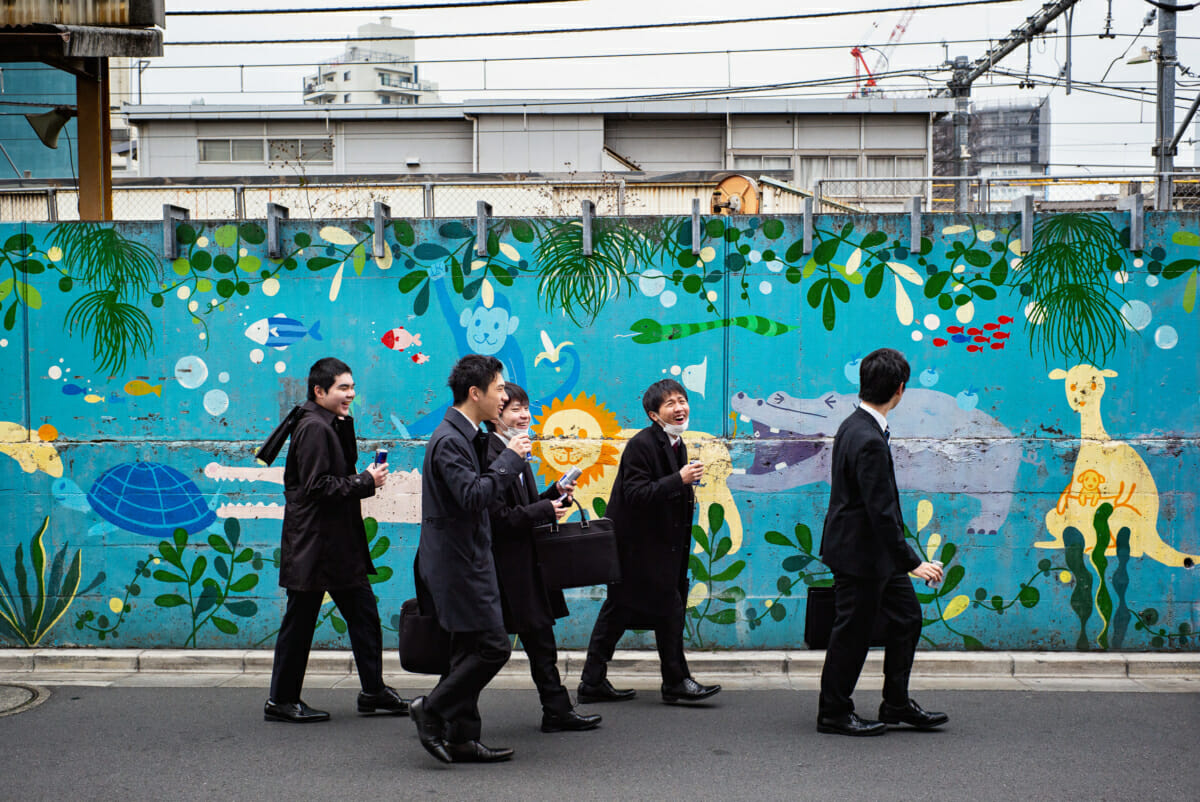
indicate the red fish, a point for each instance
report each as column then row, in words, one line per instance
column 939, row 342
column 398, row 339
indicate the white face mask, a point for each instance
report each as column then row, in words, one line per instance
column 673, row 429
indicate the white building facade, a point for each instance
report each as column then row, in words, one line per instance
column 377, row 69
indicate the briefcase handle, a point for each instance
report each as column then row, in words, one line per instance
column 583, row 519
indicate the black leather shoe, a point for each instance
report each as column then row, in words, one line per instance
column 475, row 752
column 911, row 713
column 570, row 720
column 295, row 712
column 688, row 691
column 850, row 724
column 385, row 701
column 604, row 692
column 430, row 729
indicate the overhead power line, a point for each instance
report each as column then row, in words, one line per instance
column 254, row 12
column 608, row 28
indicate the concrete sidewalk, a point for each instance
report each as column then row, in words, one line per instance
column 783, row 669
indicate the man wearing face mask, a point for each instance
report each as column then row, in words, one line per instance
column 652, row 506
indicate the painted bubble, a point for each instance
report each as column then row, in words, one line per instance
column 216, row 402
column 676, row 370
column 280, row 366
column 223, row 377
column 183, row 293
column 270, row 287
column 1121, row 277
column 775, row 266
column 1151, row 281
column 4, row 343
column 191, row 372
column 1166, row 338
column 765, row 287
column 652, row 282
column 667, row 299
column 755, row 257
column 256, row 356
column 918, row 335
column 55, row 372
column 712, row 296
column 932, row 322
column 1136, row 314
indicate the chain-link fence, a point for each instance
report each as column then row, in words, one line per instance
column 549, row 198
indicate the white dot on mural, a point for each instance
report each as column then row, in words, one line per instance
column 55, row 371
column 216, row 402
column 712, row 296
column 1166, row 338
column 256, row 356
column 243, row 252
column 1034, row 312
column 765, row 287
column 193, row 306
column 191, row 372
column 775, row 267
column 203, row 336
column 1121, row 277
column 1137, row 315
column 676, row 370
column 652, row 282
column 223, row 377
column 1151, row 281
column 667, row 299
column 4, row 343
column 918, row 335
column 183, row 293
column 270, row 287
column 280, row 366
column 202, row 242
column 932, row 322
column 1138, row 263
column 755, row 257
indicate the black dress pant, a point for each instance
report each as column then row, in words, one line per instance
column 542, row 653
column 612, row 622
column 857, row 603
column 292, row 645
column 475, row 657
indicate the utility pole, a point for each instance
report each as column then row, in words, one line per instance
column 965, row 74
column 1164, row 134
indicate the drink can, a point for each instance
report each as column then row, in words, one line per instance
column 938, row 563
column 381, row 456
column 696, row 483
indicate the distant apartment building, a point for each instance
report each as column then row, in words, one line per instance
column 1008, row 139
column 375, row 69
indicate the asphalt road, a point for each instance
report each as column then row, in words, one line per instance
column 111, row 743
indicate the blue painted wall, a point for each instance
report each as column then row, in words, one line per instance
column 1047, row 446
column 29, row 82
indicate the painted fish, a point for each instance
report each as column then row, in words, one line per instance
column 420, row 359
column 139, row 387
column 73, row 389
column 399, row 338
column 649, row 330
column 280, row 331
column 92, row 398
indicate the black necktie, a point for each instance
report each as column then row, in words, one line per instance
column 887, row 436
column 678, row 451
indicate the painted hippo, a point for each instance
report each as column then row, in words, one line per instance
column 938, row 447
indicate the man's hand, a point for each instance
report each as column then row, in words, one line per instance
column 929, row 572
column 562, row 508
column 692, row 472
column 520, row 444
column 567, row 488
column 379, row 472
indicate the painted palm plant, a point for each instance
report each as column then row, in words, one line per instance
column 116, row 272
column 1076, row 313
column 40, row 600
column 582, row 285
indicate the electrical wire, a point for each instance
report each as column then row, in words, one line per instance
column 247, row 12
column 608, row 28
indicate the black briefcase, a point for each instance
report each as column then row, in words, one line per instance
column 424, row 645
column 579, row 553
column 818, row 620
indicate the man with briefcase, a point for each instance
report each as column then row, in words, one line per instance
column 530, row 606
column 652, row 506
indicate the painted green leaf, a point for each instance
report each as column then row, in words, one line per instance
column 778, row 612
column 472, row 289
column 793, row 275
column 804, row 536
column 735, row 262
column 253, row 233
column 201, row 260
column 796, row 562
column 455, row 229
column 168, row 576
column 409, row 281
column 925, row 598
column 29, row 294
column 815, row 292
column 977, row 258
column 716, row 517
column 493, row 244
column 1177, row 268
column 382, row 575
column 185, row 234
column 210, row 597
column 777, row 539
column 430, row 252
column 853, row 278
column 701, row 538
column 5, row 288
column 873, row 239
column 697, row 569
column 727, row 616
column 379, row 547
column 198, row 569
column 1189, row 294
column 971, row 644
column 829, row 312
column 714, row 227
column 221, row 567
column 732, row 234
column 249, row 263
column 874, row 281
column 339, row 626
column 19, row 242
column 773, row 229
column 225, row 236
column 521, row 230
column 302, row 239
column 421, row 302
column 1029, row 596
column 244, row 584
column 824, row 252
column 1189, row 238
column 170, row 554
column 245, row 608
column 841, row 289
column 954, row 575
column 219, row 545
column 225, row 625
column 244, row 556
column 600, row 506
column 948, row 552
column 795, row 251
column 936, row 282
column 321, row 262
column 724, row 545
column 404, row 232
column 729, row 573
column 999, row 272
column 29, row 266
column 730, row 595
column 984, row 291
column 502, row 276
column 170, row 600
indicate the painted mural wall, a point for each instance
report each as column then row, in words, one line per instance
column 1046, row 449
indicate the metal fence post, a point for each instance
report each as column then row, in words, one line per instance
column 587, row 212
column 383, row 213
column 808, row 225
column 171, row 217
column 621, row 198
column 239, row 202
column 427, row 205
column 483, row 210
column 1136, row 204
column 276, row 214
column 1024, row 205
column 52, row 205
column 914, row 222
column 695, row 226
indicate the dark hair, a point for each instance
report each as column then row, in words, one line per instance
column 515, row 395
column 324, row 373
column 473, row 370
column 881, row 373
column 658, row 392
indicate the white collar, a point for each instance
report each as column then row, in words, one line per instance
column 876, row 414
column 474, row 425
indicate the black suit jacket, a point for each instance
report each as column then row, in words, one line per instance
column 527, row 603
column 455, row 553
column 864, row 531
column 651, row 509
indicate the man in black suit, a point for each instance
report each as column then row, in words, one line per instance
column 324, row 546
column 863, row 543
column 530, row 606
column 455, row 564
column 651, row 507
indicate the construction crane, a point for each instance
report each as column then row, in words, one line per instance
column 885, row 52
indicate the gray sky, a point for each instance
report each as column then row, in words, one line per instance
column 1095, row 131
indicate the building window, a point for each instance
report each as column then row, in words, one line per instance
column 304, row 150
column 757, row 162
column 385, row 99
column 346, row 75
column 345, row 98
column 817, row 168
column 214, row 150
column 231, row 150
column 247, row 150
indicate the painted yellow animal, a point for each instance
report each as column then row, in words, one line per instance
column 29, row 450
column 1107, row 471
